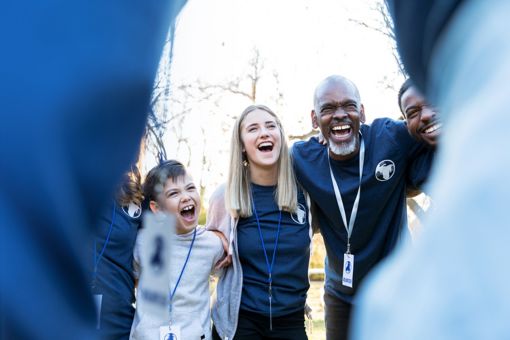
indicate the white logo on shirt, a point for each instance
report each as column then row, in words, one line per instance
column 300, row 216
column 385, row 170
column 132, row 210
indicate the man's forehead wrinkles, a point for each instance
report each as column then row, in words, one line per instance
column 337, row 102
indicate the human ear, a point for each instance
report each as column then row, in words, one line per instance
column 315, row 122
column 153, row 205
column 362, row 117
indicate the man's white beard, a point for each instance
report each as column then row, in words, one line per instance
column 344, row 149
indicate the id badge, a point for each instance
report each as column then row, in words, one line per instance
column 98, row 300
column 169, row 333
column 348, row 270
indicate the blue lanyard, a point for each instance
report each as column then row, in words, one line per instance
column 269, row 267
column 182, row 271
column 97, row 259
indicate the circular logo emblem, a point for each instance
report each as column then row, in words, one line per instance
column 385, row 170
column 132, row 210
column 300, row 216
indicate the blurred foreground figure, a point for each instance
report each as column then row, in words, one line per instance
column 76, row 83
column 453, row 284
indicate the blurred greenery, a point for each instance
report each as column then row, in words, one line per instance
column 202, row 216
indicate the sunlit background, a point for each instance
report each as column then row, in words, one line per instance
column 228, row 54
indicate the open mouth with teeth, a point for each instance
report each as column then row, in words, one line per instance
column 431, row 128
column 188, row 212
column 342, row 131
column 265, row 147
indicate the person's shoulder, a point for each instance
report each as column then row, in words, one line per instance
column 217, row 214
column 210, row 236
column 388, row 128
column 312, row 141
column 214, row 244
column 387, row 123
column 217, row 200
column 219, row 193
column 302, row 148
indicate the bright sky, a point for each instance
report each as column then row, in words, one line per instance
column 303, row 41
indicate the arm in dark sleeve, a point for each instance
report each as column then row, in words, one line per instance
column 419, row 157
column 419, row 169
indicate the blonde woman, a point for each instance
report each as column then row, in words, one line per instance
column 262, row 295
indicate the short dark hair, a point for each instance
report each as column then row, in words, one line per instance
column 405, row 86
column 157, row 177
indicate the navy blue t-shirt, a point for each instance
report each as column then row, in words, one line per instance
column 389, row 156
column 114, row 278
column 290, row 270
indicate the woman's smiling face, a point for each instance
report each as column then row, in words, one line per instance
column 262, row 139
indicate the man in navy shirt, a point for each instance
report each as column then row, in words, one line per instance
column 358, row 183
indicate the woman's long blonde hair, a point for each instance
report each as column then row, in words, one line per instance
column 238, row 192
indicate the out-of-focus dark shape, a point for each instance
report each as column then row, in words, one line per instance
column 453, row 282
column 76, row 84
column 418, row 26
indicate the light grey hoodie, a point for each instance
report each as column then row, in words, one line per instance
column 225, row 309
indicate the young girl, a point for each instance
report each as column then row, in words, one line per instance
column 263, row 294
column 169, row 188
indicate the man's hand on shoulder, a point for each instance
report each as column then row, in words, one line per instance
column 320, row 138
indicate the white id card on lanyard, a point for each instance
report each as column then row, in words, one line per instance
column 169, row 333
column 348, row 269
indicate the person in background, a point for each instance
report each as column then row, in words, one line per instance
column 422, row 119
column 113, row 281
column 263, row 294
column 77, row 79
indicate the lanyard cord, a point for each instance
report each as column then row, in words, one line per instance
column 349, row 227
column 182, row 270
column 97, row 259
column 269, row 267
